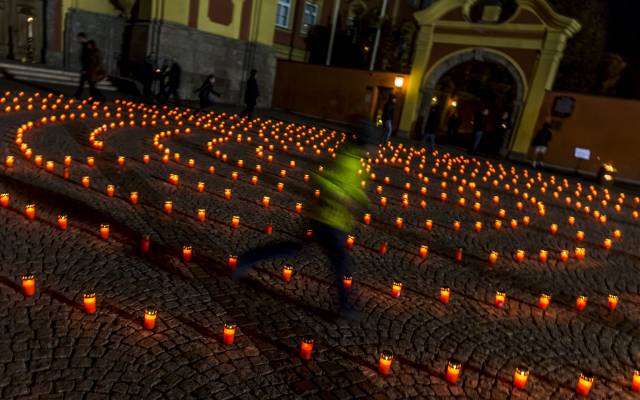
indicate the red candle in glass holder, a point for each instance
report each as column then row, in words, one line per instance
column 229, row 333
column 186, row 253
column 384, row 364
column 111, row 189
column 428, row 224
column 453, row 371
column 350, row 241
column 133, row 197
column 62, row 222
column 501, row 298
column 564, row 255
column 581, row 303
column 227, row 194
column 4, row 199
column 150, row 315
column 235, row 222
column 493, row 257
column 347, row 281
column 306, row 347
column 104, row 231
column 232, row 262
column 445, row 295
column 384, row 247
column 520, row 377
column 168, row 207
column 383, row 201
column 280, row 186
column 298, row 208
column 497, row 224
column 543, row 256
column 580, row 235
column 287, row 272
column 268, row 229
column 477, row 226
column 424, row 250
column 580, row 253
column 28, row 285
column 202, row 214
column 458, row 254
column 399, row 222
column 9, row 161
column 89, row 302
column 456, row 225
column 520, row 255
column 146, row 159
column 91, row 161
column 367, row 219
column 635, row 381
column 612, row 302
column 200, row 187
column 86, row 181
column 607, row 243
column 585, row 382
column 30, row 211
column 145, row 243
column 544, row 301
column 396, row 289
column 120, row 161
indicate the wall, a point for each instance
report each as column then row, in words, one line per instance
column 607, row 126
column 330, row 92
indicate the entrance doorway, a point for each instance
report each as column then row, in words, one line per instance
column 21, row 30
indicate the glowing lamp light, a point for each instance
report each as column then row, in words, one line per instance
column 146, row 159
column 89, row 302
column 350, row 241
column 617, row 234
column 396, row 289
column 191, row 163
column 187, row 252
column 150, row 315
column 585, row 382
column 174, row 179
column 445, row 295
column 564, row 255
column 200, row 187
column 607, row 243
column 227, row 194
column 265, row 201
column 280, row 186
column 235, row 222
column 91, row 161
column 520, row 255
column 383, row 201
column 305, row 178
column 4, row 199
column 9, row 161
column 104, row 231
column 635, row 381
column 347, row 281
column 133, row 197
column 49, row 166
column 424, row 251
column 477, row 226
column 111, row 189
column 232, row 262
column 520, row 377
column 544, row 301
column 453, row 371
column 553, row 229
column 580, row 253
column 121, row 161
column 501, row 298
column 398, row 81
column 287, row 272
column 493, row 257
column 571, row 220
column 456, row 225
column 62, row 222
column 612, row 302
column 228, row 333
column 384, row 364
column 306, row 348
column 502, row 213
column 28, row 285
column 580, row 235
column 497, row 225
column 254, row 180
column 30, row 211
column 202, row 214
column 168, row 207
column 298, row 208
column 581, row 303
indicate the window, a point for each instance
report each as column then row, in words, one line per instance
column 282, row 13
column 310, row 16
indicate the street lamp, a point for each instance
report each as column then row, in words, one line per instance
column 398, row 81
column 30, row 39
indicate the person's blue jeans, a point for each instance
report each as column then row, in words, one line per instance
column 430, row 141
column 477, row 138
column 388, row 129
column 332, row 241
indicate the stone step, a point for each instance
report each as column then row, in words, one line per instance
column 30, row 73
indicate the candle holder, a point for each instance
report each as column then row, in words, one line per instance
column 28, row 285
column 501, row 299
column 457, row 255
column 456, row 225
column 564, row 255
column 453, row 371
column 350, row 241
column 232, row 262
column 543, row 256
column 428, row 224
column 635, row 381
column 445, row 295
column 235, row 222
column 585, row 382
column 62, row 222
column 227, row 194
column 367, row 219
column 497, row 224
column 104, row 231
column 493, row 257
column 347, row 281
column 306, row 347
column 145, row 244
column 168, row 207
column 30, row 211
column 133, row 197
column 544, row 301
column 581, row 303
column 384, row 364
column 424, row 251
column 298, row 208
column 229, row 333
column 399, row 222
column 9, row 161
column 287, row 272
column 89, row 301
column 111, row 189
column 86, row 181
column 150, row 315
column 520, row 377
column 4, row 199
column 187, row 252
column 396, row 289
column 607, row 243
column 612, row 302
column 519, row 256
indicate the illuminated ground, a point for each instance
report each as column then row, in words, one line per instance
column 49, row 348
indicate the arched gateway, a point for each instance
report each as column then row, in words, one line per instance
column 529, row 44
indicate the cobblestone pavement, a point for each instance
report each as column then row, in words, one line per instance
column 50, row 348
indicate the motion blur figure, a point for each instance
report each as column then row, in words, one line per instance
column 332, row 216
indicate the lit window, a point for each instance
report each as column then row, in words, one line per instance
column 282, row 13
column 310, row 16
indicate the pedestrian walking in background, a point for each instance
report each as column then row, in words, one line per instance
column 84, row 63
column 332, row 216
column 387, row 116
column 431, row 128
column 251, row 94
column 95, row 70
column 171, row 75
column 540, row 144
column 453, row 124
column 206, row 93
column 479, row 122
column 502, row 130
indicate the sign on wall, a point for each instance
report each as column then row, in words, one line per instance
column 582, row 154
column 563, row 106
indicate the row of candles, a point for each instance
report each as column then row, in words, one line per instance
column 453, row 370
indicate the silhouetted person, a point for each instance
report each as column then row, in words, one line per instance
column 502, row 130
column 94, row 70
column 479, row 122
column 206, row 93
column 453, row 124
column 332, row 216
column 172, row 75
column 387, row 116
column 431, row 129
column 251, row 94
column 540, row 144
column 84, row 63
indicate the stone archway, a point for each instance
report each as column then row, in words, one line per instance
column 432, row 77
column 529, row 44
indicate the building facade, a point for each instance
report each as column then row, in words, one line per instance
column 226, row 38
